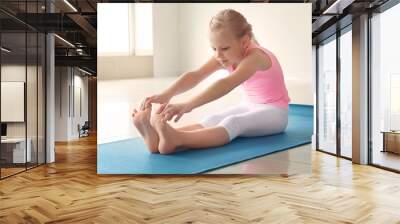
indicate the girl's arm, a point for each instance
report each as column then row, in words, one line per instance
column 191, row 79
column 255, row 61
column 184, row 83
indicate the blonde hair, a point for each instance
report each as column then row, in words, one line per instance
column 234, row 21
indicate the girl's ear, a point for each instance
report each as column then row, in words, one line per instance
column 245, row 41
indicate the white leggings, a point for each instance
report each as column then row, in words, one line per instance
column 249, row 120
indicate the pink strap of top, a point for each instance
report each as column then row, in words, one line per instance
column 268, row 86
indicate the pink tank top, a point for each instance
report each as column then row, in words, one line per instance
column 268, row 86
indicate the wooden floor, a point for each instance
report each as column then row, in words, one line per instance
column 70, row 191
column 10, row 171
column 387, row 159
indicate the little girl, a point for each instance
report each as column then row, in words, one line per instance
column 265, row 112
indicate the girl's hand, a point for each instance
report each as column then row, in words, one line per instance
column 158, row 98
column 178, row 109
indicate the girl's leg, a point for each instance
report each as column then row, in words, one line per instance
column 215, row 119
column 190, row 127
column 260, row 121
column 171, row 139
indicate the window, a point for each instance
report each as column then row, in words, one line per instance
column 22, row 77
column 143, row 29
column 346, row 93
column 334, row 137
column 385, row 84
column 113, row 29
column 327, row 96
column 125, row 29
column 394, row 102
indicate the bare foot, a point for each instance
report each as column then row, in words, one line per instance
column 141, row 120
column 169, row 139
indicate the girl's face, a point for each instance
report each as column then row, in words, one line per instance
column 228, row 49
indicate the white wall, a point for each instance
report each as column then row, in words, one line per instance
column 124, row 67
column 66, row 119
column 62, row 80
column 34, row 125
column 166, row 40
column 17, row 73
column 79, row 117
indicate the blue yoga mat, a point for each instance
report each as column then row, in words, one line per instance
column 132, row 157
